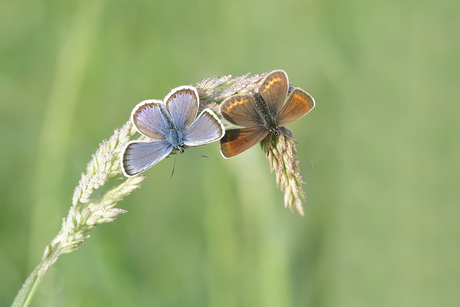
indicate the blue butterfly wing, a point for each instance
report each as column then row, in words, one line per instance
column 182, row 104
column 149, row 120
column 140, row 156
column 207, row 128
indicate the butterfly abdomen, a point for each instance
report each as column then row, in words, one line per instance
column 175, row 138
column 266, row 118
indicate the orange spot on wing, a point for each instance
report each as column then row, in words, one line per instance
column 270, row 83
column 236, row 103
column 300, row 97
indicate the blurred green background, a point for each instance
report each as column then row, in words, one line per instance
column 379, row 153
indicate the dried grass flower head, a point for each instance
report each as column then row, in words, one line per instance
column 270, row 112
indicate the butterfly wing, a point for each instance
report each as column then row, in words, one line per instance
column 235, row 141
column 207, row 128
column 148, row 120
column 140, row 156
column 241, row 110
column 182, row 103
column 274, row 90
column 298, row 105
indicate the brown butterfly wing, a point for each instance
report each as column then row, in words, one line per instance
column 241, row 110
column 235, row 141
column 274, row 90
column 298, row 105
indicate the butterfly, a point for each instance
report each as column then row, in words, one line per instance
column 172, row 124
column 262, row 112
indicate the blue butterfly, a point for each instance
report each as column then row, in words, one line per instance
column 172, row 124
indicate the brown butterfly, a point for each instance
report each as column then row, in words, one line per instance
column 262, row 112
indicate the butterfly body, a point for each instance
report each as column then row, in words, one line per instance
column 175, row 139
column 266, row 118
column 261, row 113
column 174, row 135
column 172, row 124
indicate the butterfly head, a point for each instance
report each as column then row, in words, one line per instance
column 275, row 131
column 180, row 148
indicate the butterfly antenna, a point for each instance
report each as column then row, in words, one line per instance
column 174, row 166
column 203, row 156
